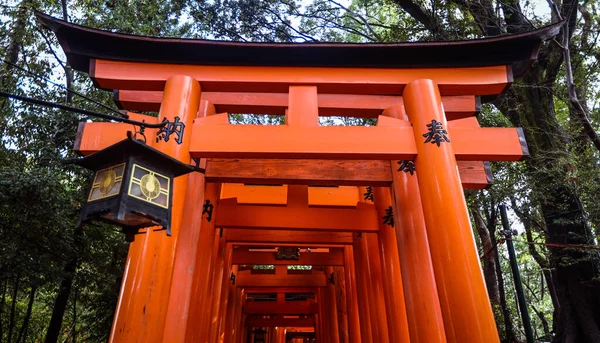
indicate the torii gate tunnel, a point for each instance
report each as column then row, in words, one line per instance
column 378, row 212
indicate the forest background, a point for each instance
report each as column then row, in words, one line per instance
column 58, row 283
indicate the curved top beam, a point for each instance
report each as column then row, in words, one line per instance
column 517, row 50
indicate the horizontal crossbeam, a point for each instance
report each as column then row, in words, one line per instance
column 349, row 142
column 473, row 174
column 377, row 81
column 333, row 258
column 256, row 321
column 308, row 239
column 364, row 218
column 287, row 280
column 287, row 308
column 344, row 105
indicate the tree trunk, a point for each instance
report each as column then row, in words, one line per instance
column 489, row 258
column 23, row 331
column 62, row 298
column 12, row 55
column 2, row 302
column 11, row 321
column 508, row 324
column 577, row 271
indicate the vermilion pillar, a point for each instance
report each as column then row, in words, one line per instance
column 330, row 305
column 390, row 263
column 142, row 306
column 424, row 315
column 224, row 302
column 354, row 329
column 362, row 286
column 200, row 297
column 341, row 304
column 465, row 306
column 216, row 290
column 379, row 323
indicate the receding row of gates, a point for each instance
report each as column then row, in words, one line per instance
column 375, row 215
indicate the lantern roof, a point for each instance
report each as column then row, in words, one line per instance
column 82, row 44
column 129, row 147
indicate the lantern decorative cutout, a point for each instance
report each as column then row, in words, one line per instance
column 132, row 186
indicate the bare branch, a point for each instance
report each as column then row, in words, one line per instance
column 419, row 14
column 580, row 111
column 362, row 19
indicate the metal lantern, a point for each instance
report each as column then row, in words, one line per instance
column 132, row 186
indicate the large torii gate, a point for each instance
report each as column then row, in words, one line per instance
column 395, row 259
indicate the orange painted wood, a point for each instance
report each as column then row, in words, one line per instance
column 473, row 174
column 354, row 324
column 189, row 295
column 380, row 81
column 251, row 290
column 362, row 287
column 334, row 258
column 395, row 306
column 147, row 294
column 391, row 142
column 231, row 215
column 194, row 230
column 495, row 144
column 303, row 106
column 445, row 211
column 330, row 305
column 378, row 308
column 270, row 280
column 341, row 304
column 257, row 321
column 424, row 315
column 323, row 142
column 230, row 313
column 285, row 237
column 374, row 279
column 226, row 289
column 288, row 308
column 218, row 285
column 200, row 297
column 343, row 105
column 237, row 325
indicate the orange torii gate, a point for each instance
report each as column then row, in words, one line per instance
column 398, row 263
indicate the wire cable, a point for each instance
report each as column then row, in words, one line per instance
column 80, row 110
column 63, row 87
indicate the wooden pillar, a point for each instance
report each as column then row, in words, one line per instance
column 237, row 319
column 230, row 313
column 354, row 329
column 225, row 291
column 376, row 294
column 212, row 273
column 200, row 296
column 331, row 307
column 370, row 252
column 390, row 263
column 142, row 307
column 362, row 286
column 321, row 326
column 340, row 301
column 217, row 289
column 467, row 312
column 424, row 314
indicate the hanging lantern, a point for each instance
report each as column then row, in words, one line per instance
column 132, row 186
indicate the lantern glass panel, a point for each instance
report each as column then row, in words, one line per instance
column 149, row 186
column 107, row 182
